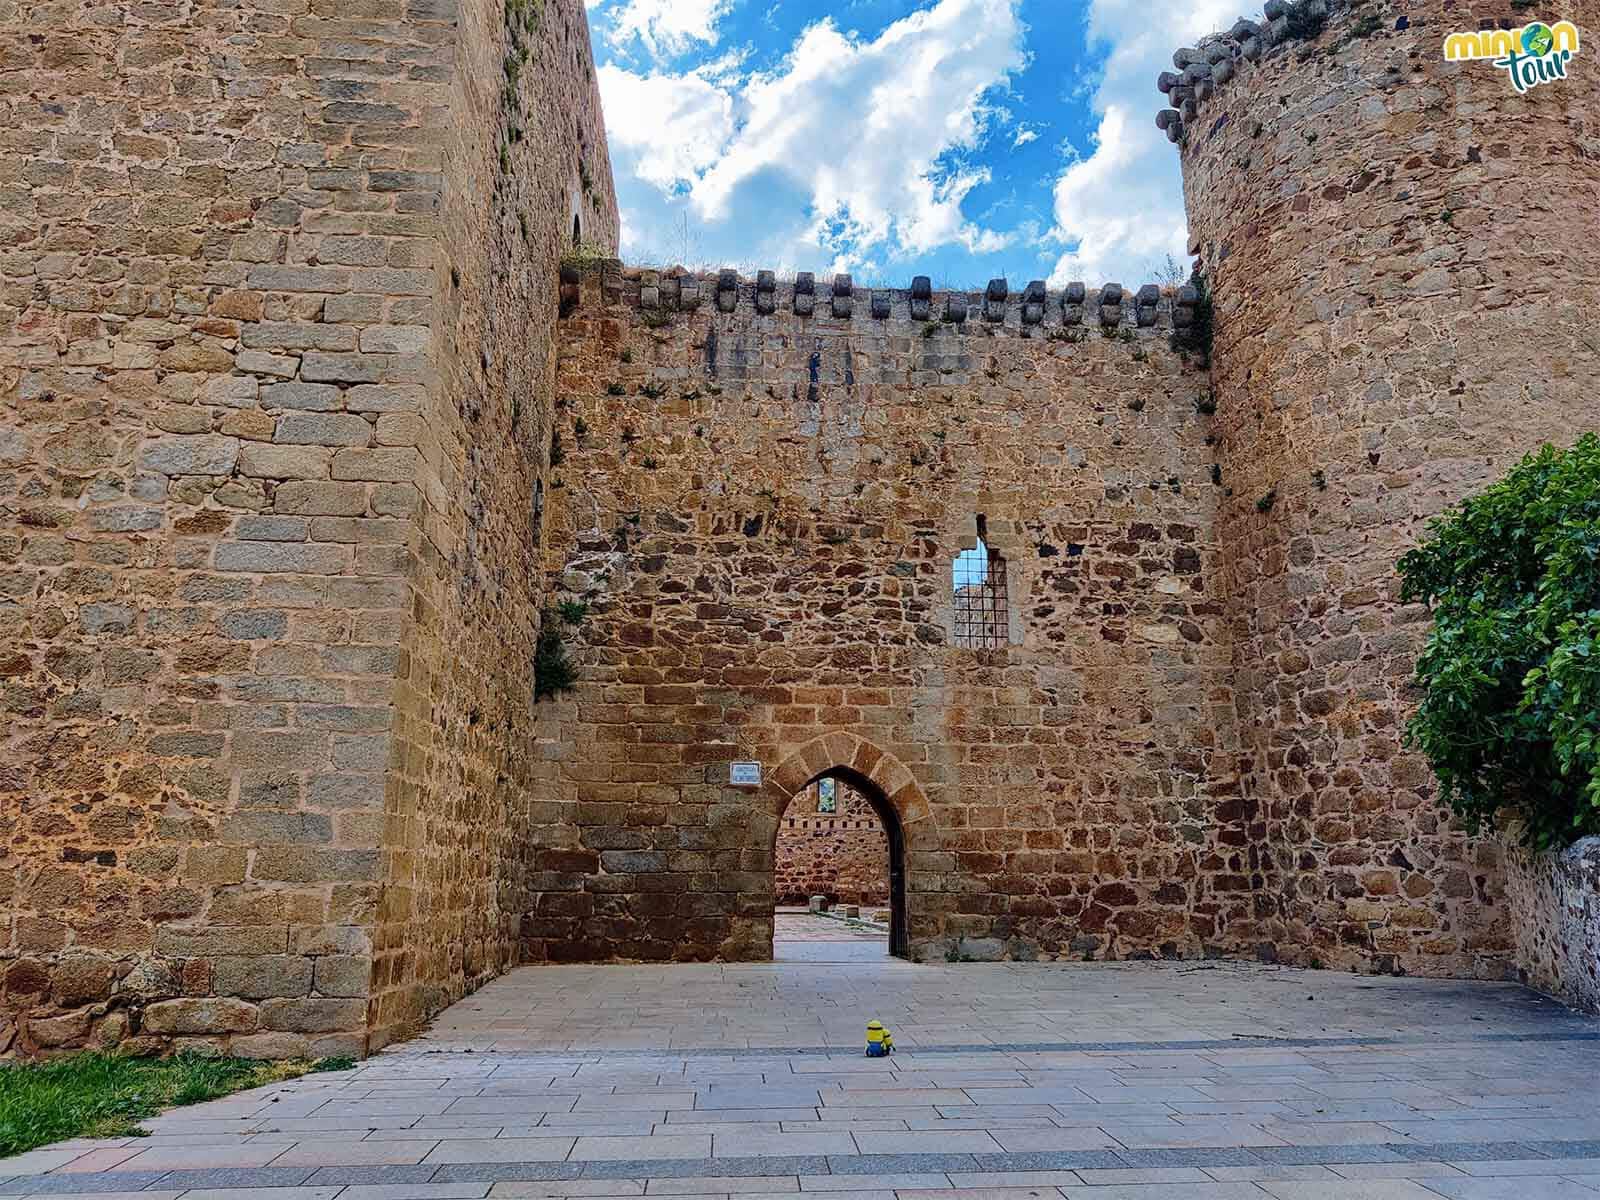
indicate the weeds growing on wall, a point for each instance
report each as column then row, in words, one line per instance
column 1510, row 675
column 1307, row 18
column 554, row 671
column 1195, row 338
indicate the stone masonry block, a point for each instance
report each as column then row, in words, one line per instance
column 400, row 429
column 212, row 940
column 309, row 864
column 233, row 391
column 253, row 625
column 323, row 429
column 354, row 309
column 263, row 977
column 295, row 335
column 342, row 975
column 273, row 529
column 397, row 465
column 331, row 939
column 308, row 498
column 200, row 1015
column 280, row 750
column 314, row 1016
column 267, row 557
column 309, row 397
column 386, row 397
column 270, row 278
column 359, row 530
column 199, row 454
column 285, row 462
column 271, row 1045
column 342, row 368
column 395, row 339
column 259, row 362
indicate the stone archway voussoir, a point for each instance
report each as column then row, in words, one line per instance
column 866, row 758
column 841, row 748
column 792, row 775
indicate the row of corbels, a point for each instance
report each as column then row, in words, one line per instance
column 1109, row 303
column 1201, row 70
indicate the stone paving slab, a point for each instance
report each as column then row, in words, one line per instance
column 1145, row 1080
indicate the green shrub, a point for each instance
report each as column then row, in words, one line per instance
column 1510, row 675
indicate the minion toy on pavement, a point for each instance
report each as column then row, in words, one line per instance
column 880, row 1042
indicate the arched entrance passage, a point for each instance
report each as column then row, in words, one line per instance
column 899, row 939
column 891, row 790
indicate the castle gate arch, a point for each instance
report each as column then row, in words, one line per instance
column 888, row 786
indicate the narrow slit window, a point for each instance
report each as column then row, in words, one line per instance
column 983, row 620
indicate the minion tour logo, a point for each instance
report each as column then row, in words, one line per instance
column 1535, row 54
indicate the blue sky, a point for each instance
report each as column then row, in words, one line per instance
column 961, row 139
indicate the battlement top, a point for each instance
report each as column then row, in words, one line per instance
column 1110, row 305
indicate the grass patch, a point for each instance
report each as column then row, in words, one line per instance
column 105, row 1095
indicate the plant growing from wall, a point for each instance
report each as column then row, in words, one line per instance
column 1307, row 18
column 554, row 671
column 1195, row 338
column 1510, row 674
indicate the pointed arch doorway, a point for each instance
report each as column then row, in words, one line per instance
column 894, row 838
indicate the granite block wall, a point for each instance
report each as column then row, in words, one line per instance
column 1402, row 311
column 229, row 235
column 1555, row 911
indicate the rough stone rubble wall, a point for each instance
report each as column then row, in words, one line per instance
column 1404, row 307
column 762, row 508
column 843, row 855
column 1555, row 905
column 220, row 543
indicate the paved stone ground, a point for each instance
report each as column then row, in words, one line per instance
column 802, row 936
column 1010, row 1082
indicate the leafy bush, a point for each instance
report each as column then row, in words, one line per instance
column 1510, row 715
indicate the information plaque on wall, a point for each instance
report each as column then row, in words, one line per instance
column 744, row 774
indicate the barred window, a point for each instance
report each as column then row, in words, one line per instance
column 982, row 608
column 827, row 797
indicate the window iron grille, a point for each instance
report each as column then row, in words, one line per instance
column 983, row 620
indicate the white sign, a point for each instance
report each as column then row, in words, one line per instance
column 745, row 774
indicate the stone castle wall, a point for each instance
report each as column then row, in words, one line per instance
column 296, row 455
column 843, row 855
column 763, row 492
column 232, row 499
column 1403, row 308
column 1555, row 907
column 526, row 165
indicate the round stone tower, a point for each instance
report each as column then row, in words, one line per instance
column 1403, row 256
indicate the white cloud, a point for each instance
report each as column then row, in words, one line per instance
column 872, row 134
column 642, row 109
column 1024, row 136
column 1121, row 208
column 665, row 27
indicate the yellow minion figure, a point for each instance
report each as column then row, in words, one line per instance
column 880, row 1042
